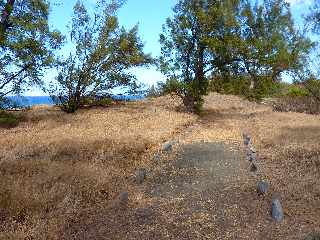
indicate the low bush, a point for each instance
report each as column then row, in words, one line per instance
column 99, row 101
column 9, row 120
column 302, row 104
column 296, row 91
column 240, row 86
column 70, row 106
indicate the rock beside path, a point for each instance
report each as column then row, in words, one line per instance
column 262, row 187
column 168, row 146
column 141, row 175
column 123, row 198
column 277, row 211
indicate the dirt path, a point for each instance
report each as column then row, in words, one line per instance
column 204, row 190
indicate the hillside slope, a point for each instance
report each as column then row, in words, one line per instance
column 62, row 173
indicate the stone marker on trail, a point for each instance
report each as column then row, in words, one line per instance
column 276, row 210
column 123, row 198
column 251, row 153
column 262, row 187
column 168, row 146
column 141, row 175
column 157, row 157
column 246, row 139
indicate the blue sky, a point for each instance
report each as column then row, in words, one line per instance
column 150, row 14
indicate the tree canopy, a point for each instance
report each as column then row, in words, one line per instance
column 104, row 52
column 208, row 38
column 27, row 45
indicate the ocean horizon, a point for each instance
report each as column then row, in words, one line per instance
column 29, row 101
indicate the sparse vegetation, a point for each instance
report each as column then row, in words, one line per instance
column 63, row 175
column 60, row 171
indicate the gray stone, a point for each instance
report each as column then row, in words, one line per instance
column 262, row 187
column 157, row 157
column 313, row 236
column 167, row 146
column 123, row 198
column 251, row 156
column 141, row 175
column 246, row 139
column 276, row 210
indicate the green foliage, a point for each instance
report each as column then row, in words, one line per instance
column 27, row 47
column 4, row 18
column 8, row 120
column 296, row 91
column 104, row 52
column 222, row 39
column 102, row 102
column 240, row 85
column 313, row 87
column 185, row 56
column 235, row 85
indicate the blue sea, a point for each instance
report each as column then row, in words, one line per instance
column 28, row 101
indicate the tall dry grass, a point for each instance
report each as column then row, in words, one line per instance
column 55, row 168
column 61, row 173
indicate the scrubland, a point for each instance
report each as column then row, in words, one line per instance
column 59, row 171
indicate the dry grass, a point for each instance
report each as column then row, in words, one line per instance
column 55, row 166
column 61, row 173
column 288, row 146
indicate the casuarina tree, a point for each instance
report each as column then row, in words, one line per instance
column 27, row 45
column 103, row 55
column 184, row 53
column 4, row 18
column 270, row 44
column 227, row 39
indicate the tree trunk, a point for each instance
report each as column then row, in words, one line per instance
column 252, row 84
column 200, row 78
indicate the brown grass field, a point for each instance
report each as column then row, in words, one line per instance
column 58, row 171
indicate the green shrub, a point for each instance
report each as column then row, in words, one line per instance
column 313, row 87
column 102, row 102
column 296, row 91
column 236, row 85
column 8, row 120
column 191, row 93
column 240, row 85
